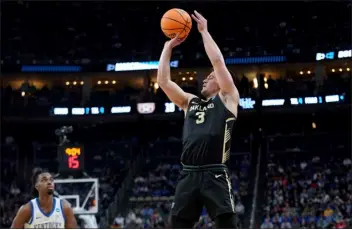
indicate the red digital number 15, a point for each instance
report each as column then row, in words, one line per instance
column 73, row 162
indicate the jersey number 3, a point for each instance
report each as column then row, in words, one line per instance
column 200, row 117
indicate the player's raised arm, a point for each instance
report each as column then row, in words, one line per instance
column 222, row 74
column 70, row 219
column 23, row 216
column 170, row 88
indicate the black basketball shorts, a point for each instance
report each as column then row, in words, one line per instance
column 200, row 186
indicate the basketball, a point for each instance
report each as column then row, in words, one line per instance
column 176, row 21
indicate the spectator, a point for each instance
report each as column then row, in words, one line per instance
column 239, row 208
column 267, row 224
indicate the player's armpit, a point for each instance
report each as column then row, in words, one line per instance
column 176, row 94
column 232, row 95
column 23, row 215
column 231, row 101
column 70, row 219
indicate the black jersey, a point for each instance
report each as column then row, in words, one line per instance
column 207, row 132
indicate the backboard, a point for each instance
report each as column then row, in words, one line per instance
column 82, row 194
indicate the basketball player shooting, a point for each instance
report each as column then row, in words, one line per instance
column 44, row 211
column 204, row 179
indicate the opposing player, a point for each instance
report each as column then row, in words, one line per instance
column 207, row 131
column 44, row 211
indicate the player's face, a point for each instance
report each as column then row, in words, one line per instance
column 45, row 184
column 210, row 85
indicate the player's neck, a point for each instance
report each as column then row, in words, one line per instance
column 211, row 95
column 46, row 200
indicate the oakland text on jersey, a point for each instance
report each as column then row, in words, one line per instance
column 201, row 108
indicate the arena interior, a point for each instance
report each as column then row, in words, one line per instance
column 79, row 98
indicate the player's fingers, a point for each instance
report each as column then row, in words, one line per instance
column 195, row 18
column 174, row 38
column 177, row 36
column 180, row 40
column 198, row 15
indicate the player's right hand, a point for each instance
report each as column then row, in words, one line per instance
column 202, row 23
column 174, row 42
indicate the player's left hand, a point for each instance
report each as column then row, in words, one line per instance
column 172, row 43
column 202, row 23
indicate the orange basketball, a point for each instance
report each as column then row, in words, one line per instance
column 176, row 21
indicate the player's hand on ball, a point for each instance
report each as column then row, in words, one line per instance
column 202, row 23
column 174, row 42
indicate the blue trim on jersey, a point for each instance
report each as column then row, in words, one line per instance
column 52, row 210
column 32, row 212
column 62, row 209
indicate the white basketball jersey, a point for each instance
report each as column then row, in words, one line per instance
column 54, row 219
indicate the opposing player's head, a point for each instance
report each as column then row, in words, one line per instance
column 210, row 85
column 43, row 183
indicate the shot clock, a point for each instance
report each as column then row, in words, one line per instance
column 71, row 158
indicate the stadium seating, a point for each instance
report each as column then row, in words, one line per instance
column 12, row 186
column 308, row 30
column 308, row 182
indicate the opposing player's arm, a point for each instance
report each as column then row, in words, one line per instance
column 70, row 219
column 170, row 88
column 23, row 215
column 223, row 76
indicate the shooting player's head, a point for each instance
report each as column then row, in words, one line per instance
column 211, row 86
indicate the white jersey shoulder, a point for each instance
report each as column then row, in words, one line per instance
column 54, row 219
